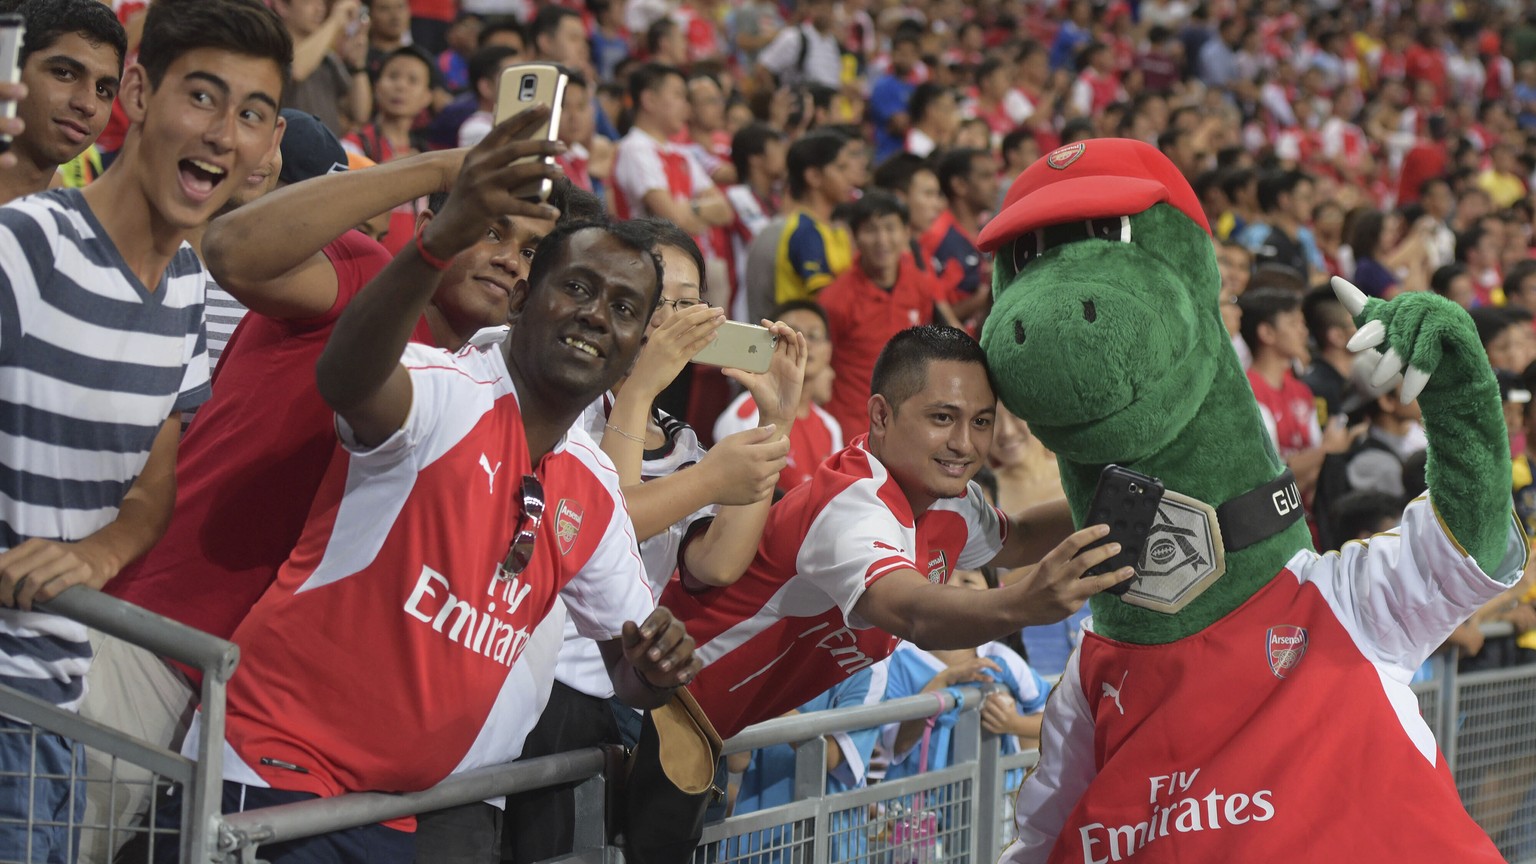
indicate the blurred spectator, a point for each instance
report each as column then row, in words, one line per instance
column 1477, row 248
column 934, row 119
column 796, row 259
column 1098, row 81
column 891, row 94
column 1025, row 471
column 751, row 26
column 1503, row 178
column 556, row 35
column 1454, row 283
column 1438, row 203
column 651, row 174
column 1020, row 148
column 1331, row 328
column 884, row 293
column 1285, row 204
column 706, row 138
column 758, row 153
column 71, row 61
column 817, row 434
column 453, row 61
column 404, row 90
column 389, row 29
column 485, row 68
column 808, row 53
column 1073, row 35
column 1507, row 337
column 330, row 61
column 1520, row 285
column 1389, row 261
column 968, row 179
column 1276, row 333
column 1375, row 461
column 588, row 159
column 611, row 40
column 1218, row 54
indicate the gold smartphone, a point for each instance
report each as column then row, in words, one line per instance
column 521, row 87
column 739, row 346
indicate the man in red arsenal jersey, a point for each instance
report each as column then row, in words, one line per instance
column 857, row 558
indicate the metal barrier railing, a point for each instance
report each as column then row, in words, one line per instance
column 157, row 766
column 962, row 813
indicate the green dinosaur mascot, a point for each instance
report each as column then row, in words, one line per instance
column 1247, row 699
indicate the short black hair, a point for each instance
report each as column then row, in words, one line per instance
column 751, row 140
column 173, row 28
column 1322, row 310
column 811, row 306
column 1440, row 280
column 501, row 24
column 1365, row 232
column 1014, row 139
column 1467, row 240
column 1519, row 272
column 485, row 64
column 409, row 52
column 47, row 20
column 896, row 172
column 954, row 165
column 547, row 21
column 901, row 370
column 1362, row 512
column 987, row 67
column 924, row 95
column 1490, row 321
column 1277, row 183
column 647, row 76
column 815, row 149
column 552, row 249
column 906, row 36
column 1263, row 306
column 657, row 32
column 874, row 204
column 664, row 233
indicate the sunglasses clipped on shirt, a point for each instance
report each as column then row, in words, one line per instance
column 520, row 549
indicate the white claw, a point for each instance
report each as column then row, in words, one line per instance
column 1391, row 364
column 1352, row 298
column 1413, row 384
column 1368, row 336
column 1366, row 363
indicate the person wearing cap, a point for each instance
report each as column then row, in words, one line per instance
column 249, row 467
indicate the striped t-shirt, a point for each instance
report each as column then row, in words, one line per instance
column 91, row 366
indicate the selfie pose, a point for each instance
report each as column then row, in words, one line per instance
column 1172, row 734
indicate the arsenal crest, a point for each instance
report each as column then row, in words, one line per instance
column 1061, row 157
column 1285, row 646
column 567, row 524
column 938, row 567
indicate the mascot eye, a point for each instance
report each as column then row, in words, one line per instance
column 1113, row 228
column 1027, row 248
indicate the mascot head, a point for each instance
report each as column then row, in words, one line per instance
column 1106, row 327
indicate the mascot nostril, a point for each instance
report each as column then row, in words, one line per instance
column 1236, row 638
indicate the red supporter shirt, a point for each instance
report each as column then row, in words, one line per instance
column 861, row 318
column 386, row 656
column 1290, row 413
column 813, row 438
column 249, row 465
column 786, row 631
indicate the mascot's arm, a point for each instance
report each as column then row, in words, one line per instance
column 1066, row 768
column 1468, row 468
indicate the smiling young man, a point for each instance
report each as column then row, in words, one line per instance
column 72, row 62
column 102, row 342
column 857, row 559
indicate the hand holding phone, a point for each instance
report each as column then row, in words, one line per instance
column 1126, row 501
column 748, row 347
column 522, row 87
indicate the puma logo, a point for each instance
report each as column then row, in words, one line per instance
column 490, row 473
column 1115, row 692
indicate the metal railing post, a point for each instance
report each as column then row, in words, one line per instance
column 989, row 798
column 811, row 784
column 1449, row 709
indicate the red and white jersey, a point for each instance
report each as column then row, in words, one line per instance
column 813, row 438
column 786, row 631
column 643, row 164
column 1289, row 413
column 383, row 656
column 1286, row 725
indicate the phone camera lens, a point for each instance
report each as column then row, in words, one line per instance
column 1135, row 488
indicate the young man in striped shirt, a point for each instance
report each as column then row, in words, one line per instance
column 102, row 346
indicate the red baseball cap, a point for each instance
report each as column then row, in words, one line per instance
column 1090, row 180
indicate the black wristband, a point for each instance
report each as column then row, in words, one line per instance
column 648, row 685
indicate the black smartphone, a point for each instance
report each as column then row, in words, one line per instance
column 1126, row 501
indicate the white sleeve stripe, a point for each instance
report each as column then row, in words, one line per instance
column 885, row 567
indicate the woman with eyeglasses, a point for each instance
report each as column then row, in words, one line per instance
column 697, row 513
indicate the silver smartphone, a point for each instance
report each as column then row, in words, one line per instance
column 739, row 346
column 13, row 29
column 521, row 87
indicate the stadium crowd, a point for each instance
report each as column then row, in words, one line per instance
column 260, row 261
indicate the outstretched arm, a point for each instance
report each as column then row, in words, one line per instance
column 359, row 374
column 931, row 616
column 267, row 254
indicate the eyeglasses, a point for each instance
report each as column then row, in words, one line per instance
column 682, row 305
column 520, row 549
